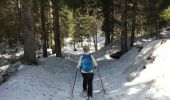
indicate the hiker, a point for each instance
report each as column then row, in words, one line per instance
column 86, row 64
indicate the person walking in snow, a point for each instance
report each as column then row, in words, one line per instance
column 86, row 64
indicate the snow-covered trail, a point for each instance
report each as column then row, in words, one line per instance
column 53, row 78
column 97, row 89
column 110, row 71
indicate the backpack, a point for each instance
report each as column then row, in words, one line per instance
column 86, row 63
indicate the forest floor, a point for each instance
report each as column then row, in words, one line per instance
column 136, row 75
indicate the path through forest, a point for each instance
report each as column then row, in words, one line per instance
column 53, row 78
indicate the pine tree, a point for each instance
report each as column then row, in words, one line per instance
column 28, row 31
column 124, row 47
column 106, row 5
column 43, row 26
column 56, row 25
column 134, row 8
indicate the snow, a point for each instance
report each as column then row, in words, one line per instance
column 123, row 79
column 4, row 67
column 8, row 57
column 41, row 82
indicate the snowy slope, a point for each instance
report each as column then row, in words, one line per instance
column 153, row 82
column 49, row 81
column 53, row 78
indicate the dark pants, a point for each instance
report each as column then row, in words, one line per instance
column 88, row 83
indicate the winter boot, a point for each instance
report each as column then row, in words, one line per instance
column 89, row 98
column 84, row 93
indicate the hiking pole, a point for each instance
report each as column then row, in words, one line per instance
column 74, row 82
column 101, row 81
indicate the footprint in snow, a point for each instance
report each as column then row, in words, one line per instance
column 43, row 94
column 61, row 89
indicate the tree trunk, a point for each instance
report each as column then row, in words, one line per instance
column 20, row 20
column 133, row 23
column 96, row 27
column 112, row 19
column 74, row 44
column 81, row 43
column 47, row 37
column 56, row 28
column 106, row 23
column 124, row 26
column 95, row 36
column 94, row 41
column 28, row 32
column 44, row 32
column 107, row 38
